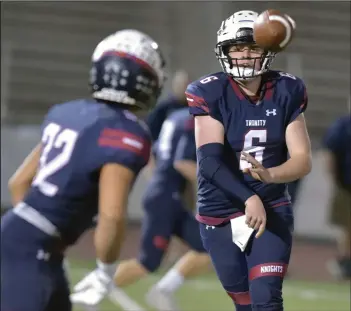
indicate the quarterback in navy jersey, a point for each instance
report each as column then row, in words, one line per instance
column 91, row 152
column 247, row 119
column 165, row 215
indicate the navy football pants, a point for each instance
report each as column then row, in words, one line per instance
column 32, row 276
column 254, row 278
column 164, row 217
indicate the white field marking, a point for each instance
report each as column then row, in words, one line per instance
column 289, row 290
column 120, row 298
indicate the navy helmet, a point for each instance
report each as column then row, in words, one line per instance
column 127, row 68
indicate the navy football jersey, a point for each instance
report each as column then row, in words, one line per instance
column 256, row 128
column 176, row 142
column 78, row 138
column 338, row 141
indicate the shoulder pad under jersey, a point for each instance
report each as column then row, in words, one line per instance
column 127, row 143
column 294, row 88
column 203, row 94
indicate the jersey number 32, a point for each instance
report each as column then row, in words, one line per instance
column 54, row 137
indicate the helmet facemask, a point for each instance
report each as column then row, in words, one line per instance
column 237, row 31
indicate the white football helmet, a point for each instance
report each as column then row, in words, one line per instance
column 238, row 29
column 127, row 68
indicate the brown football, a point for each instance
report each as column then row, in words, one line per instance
column 273, row 30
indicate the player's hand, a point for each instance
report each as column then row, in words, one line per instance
column 257, row 171
column 255, row 214
column 92, row 289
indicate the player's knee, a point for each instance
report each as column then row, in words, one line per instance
column 152, row 250
column 150, row 265
column 241, row 300
column 150, row 262
column 266, row 294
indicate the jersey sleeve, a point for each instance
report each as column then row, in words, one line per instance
column 196, row 101
column 201, row 101
column 299, row 101
column 126, row 147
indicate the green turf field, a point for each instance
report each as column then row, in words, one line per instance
column 206, row 294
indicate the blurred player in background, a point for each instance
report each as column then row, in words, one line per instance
column 91, row 152
column 175, row 100
column 246, row 120
column 166, row 215
column 294, row 190
column 337, row 156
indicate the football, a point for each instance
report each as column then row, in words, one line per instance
column 273, row 30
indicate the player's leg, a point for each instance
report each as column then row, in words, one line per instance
column 157, row 228
column 25, row 285
column 268, row 258
column 340, row 217
column 31, row 284
column 196, row 261
column 18, row 276
column 59, row 300
column 229, row 263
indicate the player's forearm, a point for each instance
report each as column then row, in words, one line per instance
column 20, row 182
column 216, row 172
column 18, row 192
column 294, row 168
column 109, row 235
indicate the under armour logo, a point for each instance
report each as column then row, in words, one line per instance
column 272, row 112
column 207, row 227
column 42, row 255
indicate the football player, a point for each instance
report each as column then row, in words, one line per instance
column 91, row 152
column 166, row 215
column 337, row 157
column 247, row 118
column 173, row 102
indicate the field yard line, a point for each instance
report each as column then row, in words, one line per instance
column 120, row 298
column 290, row 290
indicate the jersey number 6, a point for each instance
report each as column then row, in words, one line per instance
column 256, row 151
column 54, row 137
column 165, row 140
column 208, row 79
